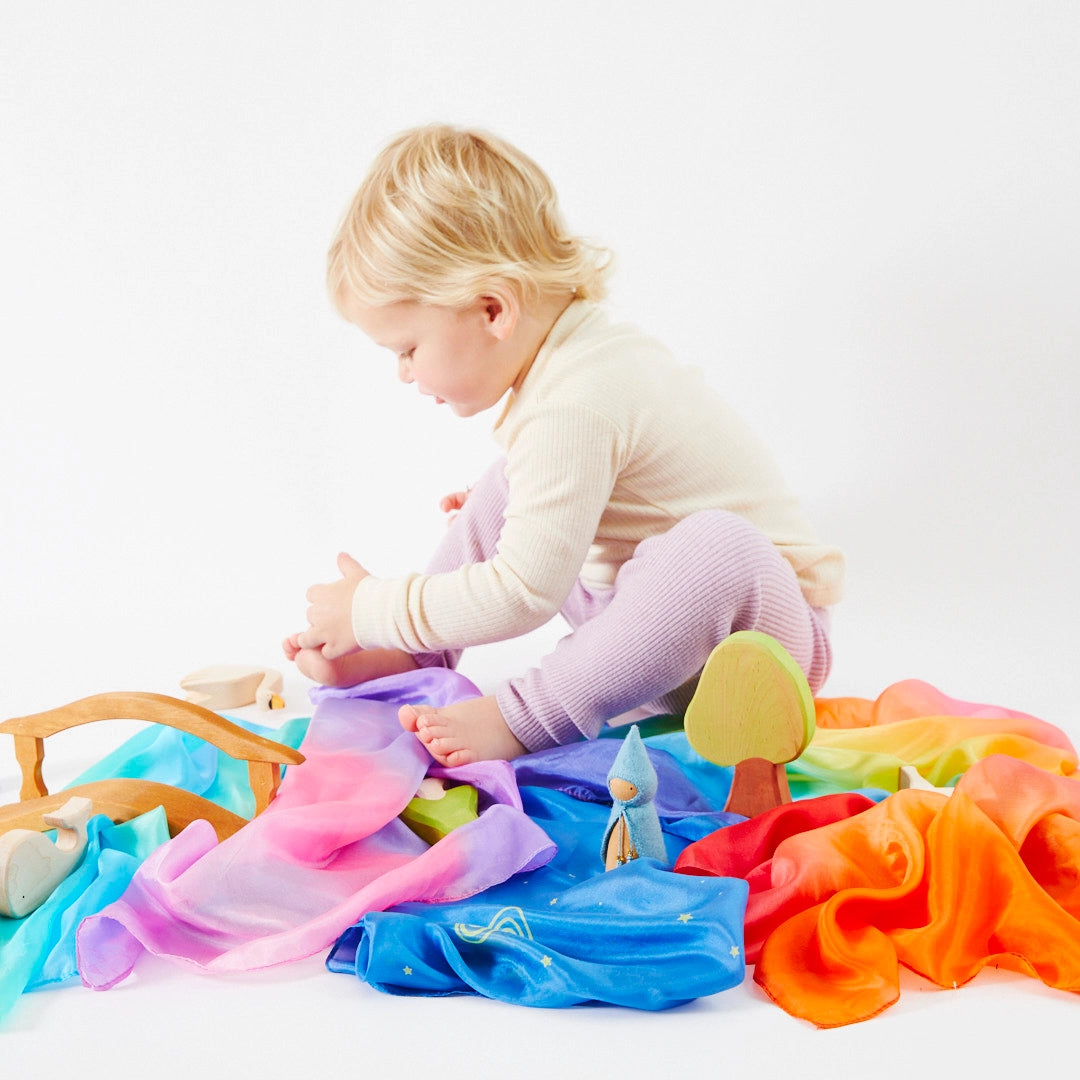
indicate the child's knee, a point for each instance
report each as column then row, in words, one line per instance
column 720, row 540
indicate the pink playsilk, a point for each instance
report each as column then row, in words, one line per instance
column 328, row 849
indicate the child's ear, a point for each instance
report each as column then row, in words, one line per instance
column 500, row 314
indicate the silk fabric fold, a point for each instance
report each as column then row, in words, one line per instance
column 328, row 849
column 841, row 889
column 567, row 933
column 39, row 949
column 862, row 743
column 943, row 885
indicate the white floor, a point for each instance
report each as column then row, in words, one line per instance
column 859, row 219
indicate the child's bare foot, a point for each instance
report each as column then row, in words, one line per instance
column 350, row 669
column 462, row 733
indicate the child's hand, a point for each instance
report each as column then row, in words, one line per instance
column 291, row 646
column 330, row 614
column 315, row 666
column 451, row 504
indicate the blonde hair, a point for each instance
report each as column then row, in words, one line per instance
column 446, row 215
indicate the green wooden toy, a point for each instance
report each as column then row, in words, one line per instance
column 752, row 710
column 431, row 818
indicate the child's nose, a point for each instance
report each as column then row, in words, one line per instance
column 403, row 371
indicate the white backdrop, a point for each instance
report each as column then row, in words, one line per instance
column 861, row 219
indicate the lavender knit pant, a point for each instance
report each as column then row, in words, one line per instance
column 644, row 639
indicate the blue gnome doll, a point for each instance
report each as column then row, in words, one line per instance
column 633, row 830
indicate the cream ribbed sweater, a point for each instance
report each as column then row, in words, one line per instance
column 607, row 441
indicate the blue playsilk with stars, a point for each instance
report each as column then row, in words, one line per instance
column 568, row 933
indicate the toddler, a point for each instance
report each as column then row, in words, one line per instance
column 627, row 498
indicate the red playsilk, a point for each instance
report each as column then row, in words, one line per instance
column 746, row 851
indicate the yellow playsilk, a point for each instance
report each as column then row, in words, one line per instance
column 862, row 743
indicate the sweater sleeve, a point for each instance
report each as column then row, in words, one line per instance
column 561, row 468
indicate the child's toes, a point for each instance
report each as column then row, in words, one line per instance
column 409, row 716
column 447, row 752
column 461, row 756
column 431, row 724
column 432, row 731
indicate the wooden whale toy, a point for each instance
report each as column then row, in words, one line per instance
column 32, row 865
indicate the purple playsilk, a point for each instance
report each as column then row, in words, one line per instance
column 329, row 849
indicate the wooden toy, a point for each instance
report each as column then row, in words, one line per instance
column 121, row 800
column 910, row 777
column 437, row 810
column 32, row 865
column 231, row 686
column 753, row 710
column 633, row 829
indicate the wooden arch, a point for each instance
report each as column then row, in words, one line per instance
column 123, row 799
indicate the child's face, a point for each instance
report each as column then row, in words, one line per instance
column 462, row 357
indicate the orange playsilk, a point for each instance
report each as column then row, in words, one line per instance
column 943, row 885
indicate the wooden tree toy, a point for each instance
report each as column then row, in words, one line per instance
column 752, row 710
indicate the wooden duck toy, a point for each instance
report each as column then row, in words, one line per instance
column 633, row 829
column 231, row 686
column 32, row 865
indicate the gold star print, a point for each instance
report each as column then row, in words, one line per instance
column 685, row 918
column 734, row 950
column 546, row 961
column 407, row 969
